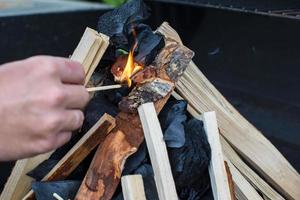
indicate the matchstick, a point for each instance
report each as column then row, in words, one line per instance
column 106, row 87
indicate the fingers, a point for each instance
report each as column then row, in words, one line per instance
column 62, row 138
column 66, row 70
column 76, row 97
column 69, row 71
column 73, row 120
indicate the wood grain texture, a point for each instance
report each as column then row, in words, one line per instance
column 90, row 50
column 79, row 151
column 243, row 189
column 217, row 171
column 250, row 143
column 251, row 176
column 18, row 183
column 158, row 152
column 133, row 187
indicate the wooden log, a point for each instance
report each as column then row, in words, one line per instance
column 217, row 170
column 133, row 187
column 79, row 151
column 243, row 189
column 90, row 50
column 18, row 183
column 250, row 143
column 105, row 170
column 158, row 152
column 256, row 181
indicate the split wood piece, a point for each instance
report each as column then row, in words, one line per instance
column 90, row 50
column 79, row 151
column 250, row 143
column 230, row 181
column 158, row 152
column 243, row 189
column 105, row 170
column 102, row 88
column 18, row 183
column 133, row 187
column 255, row 180
column 217, row 171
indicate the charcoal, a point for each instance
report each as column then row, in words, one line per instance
column 190, row 163
column 149, row 44
column 172, row 118
column 95, row 109
column 42, row 169
column 135, row 160
column 149, row 183
column 118, row 22
column 65, row 189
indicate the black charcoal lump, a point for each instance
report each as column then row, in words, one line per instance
column 124, row 27
column 65, row 189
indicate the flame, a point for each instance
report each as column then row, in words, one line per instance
column 131, row 67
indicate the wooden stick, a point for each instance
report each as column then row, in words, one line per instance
column 90, row 50
column 217, row 171
column 255, row 180
column 258, row 151
column 243, row 189
column 133, row 187
column 106, row 87
column 158, row 152
column 18, row 183
column 79, row 151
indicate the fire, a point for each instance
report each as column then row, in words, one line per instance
column 131, row 68
column 123, row 72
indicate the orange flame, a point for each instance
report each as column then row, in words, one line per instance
column 131, row 67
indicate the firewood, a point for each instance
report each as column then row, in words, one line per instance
column 133, row 187
column 243, row 189
column 90, row 50
column 79, row 151
column 217, row 171
column 230, row 181
column 158, row 152
column 258, row 151
column 255, row 180
column 105, row 170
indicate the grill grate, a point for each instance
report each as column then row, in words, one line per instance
column 279, row 8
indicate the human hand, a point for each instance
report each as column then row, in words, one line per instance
column 41, row 99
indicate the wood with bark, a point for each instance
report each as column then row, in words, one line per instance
column 157, row 149
column 133, row 187
column 79, row 151
column 250, row 143
column 105, row 170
